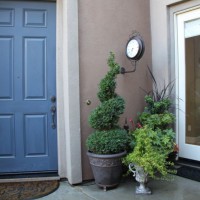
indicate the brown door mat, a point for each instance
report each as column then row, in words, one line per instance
column 27, row 190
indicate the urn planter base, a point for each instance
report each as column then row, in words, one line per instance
column 141, row 177
column 142, row 189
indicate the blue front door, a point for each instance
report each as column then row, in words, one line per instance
column 28, row 138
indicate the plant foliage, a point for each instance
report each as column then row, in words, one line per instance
column 154, row 139
column 108, row 137
column 108, row 142
column 108, row 84
column 106, row 115
column 156, row 113
column 151, row 151
column 160, row 94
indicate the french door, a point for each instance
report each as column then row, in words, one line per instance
column 188, row 83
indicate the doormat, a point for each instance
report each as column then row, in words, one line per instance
column 27, row 190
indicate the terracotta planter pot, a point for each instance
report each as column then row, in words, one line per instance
column 107, row 169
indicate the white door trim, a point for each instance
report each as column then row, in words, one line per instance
column 186, row 150
column 68, row 98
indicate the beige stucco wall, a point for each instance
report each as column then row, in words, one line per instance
column 105, row 26
column 87, row 30
column 162, row 35
column 164, row 63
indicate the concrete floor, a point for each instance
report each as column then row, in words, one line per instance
column 178, row 189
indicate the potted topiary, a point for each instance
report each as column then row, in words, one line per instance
column 154, row 139
column 108, row 143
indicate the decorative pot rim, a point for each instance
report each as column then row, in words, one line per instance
column 116, row 155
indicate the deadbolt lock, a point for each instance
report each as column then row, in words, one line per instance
column 53, row 99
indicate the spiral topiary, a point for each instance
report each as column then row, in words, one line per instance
column 108, row 135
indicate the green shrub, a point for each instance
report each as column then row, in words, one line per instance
column 106, row 115
column 108, row 142
column 157, row 107
column 108, row 84
column 151, row 151
column 154, row 140
column 161, row 121
column 108, row 137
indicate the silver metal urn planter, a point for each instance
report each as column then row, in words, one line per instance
column 141, row 177
column 107, row 169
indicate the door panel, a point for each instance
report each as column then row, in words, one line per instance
column 6, row 17
column 35, row 68
column 193, row 90
column 6, row 70
column 28, row 143
column 188, row 90
column 7, row 147
column 38, row 145
column 35, row 18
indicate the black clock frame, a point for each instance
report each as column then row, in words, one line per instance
column 138, row 56
column 141, row 47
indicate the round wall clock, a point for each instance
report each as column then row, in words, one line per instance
column 135, row 48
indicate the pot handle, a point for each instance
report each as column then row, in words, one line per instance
column 131, row 167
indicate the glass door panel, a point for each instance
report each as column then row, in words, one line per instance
column 187, row 26
column 192, row 55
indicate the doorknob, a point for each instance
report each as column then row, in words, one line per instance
column 53, row 113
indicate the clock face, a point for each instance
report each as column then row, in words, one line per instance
column 132, row 48
column 135, row 48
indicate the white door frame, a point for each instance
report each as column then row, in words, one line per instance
column 186, row 150
column 68, row 94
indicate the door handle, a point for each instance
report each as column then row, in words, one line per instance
column 53, row 115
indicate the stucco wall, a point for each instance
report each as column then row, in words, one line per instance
column 162, row 32
column 105, row 26
column 165, row 61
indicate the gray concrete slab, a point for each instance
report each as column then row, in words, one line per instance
column 178, row 189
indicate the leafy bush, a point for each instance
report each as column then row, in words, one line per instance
column 161, row 121
column 151, row 151
column 108, row 137
column 108, row 142
column 106, row 115
column 156, row 113
column 158, row 107
column 154, row 139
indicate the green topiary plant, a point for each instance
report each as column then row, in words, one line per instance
column 108, row 138
column 108, row 142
